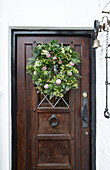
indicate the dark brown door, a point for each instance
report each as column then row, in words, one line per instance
column 39, row 144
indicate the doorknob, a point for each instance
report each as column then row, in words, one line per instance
column 84, row 110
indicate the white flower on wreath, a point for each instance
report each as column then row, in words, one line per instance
column 39, row 46
column 63, row 50
column 37, row 63
column 44, row 52
column 68, row 65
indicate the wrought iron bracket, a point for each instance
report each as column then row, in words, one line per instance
column 107, row 83
column 107, row 57
column 106, row 112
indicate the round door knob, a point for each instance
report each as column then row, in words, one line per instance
column 86, row 133
column 84, row 94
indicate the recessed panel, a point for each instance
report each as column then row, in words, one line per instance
column 53, row 151
column 61, row 121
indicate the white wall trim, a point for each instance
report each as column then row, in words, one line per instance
column 5, row 109
column 49, row 28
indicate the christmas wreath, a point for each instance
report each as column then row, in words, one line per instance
column 53, row 68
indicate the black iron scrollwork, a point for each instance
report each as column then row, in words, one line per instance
column 106, row 112
column 53, row 120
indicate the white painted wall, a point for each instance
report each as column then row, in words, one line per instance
column 40, row 14
column 4, row 98
column 58, row 13
column 103, row 124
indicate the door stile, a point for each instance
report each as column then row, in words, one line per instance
column 21, row 109
column 34, row 137
column 85, row 87
column 71, row 105
column 77, row 113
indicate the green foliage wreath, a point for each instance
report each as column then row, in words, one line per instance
column 53, row 68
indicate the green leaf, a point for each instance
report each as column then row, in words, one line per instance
column 47, row 91
column 50, row 86
column 51, row 96
column 64, row 85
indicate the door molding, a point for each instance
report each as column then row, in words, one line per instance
column 85, row 33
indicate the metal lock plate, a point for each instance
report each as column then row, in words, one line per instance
column 84, row 110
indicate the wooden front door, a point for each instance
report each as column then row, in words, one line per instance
column 39, row 144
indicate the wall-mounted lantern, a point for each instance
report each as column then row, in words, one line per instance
column 99, row 27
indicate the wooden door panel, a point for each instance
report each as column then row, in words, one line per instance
column 39, row 145
column 53, row 151
column 61, row 128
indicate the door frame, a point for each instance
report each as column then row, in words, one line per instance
column 92, row 57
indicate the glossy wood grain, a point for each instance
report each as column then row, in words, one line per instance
column 39, row 145
column 61, row 128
